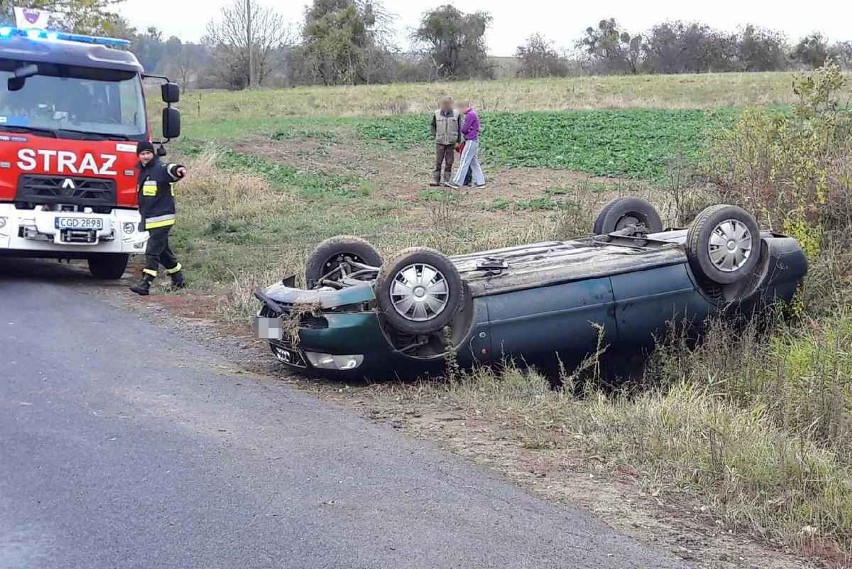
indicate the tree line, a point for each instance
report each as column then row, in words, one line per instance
column 352, row 42
column 681, row 47
column 342, row 42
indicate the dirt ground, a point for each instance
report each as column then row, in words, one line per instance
column 403, row 174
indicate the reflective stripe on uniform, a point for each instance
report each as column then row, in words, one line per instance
column 178, row 268
column 159, row 224
column 160, row 221
column 149, row 189
column 150, row 272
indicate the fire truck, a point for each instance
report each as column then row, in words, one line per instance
column 72, row 109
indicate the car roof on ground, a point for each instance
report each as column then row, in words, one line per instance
column 63, row 52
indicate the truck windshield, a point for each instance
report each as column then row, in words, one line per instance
column 74, row 102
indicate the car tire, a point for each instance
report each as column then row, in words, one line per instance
column 108, row 267
column 625, row 211
column 332, row 252
column 419, row 291
column 723, row 245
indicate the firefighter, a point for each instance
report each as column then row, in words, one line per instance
column 157, row 207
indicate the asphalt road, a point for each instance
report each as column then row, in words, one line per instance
column 125, row 446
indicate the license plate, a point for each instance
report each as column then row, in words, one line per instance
column 95, row 223
column 289, row 356
column 268, row 328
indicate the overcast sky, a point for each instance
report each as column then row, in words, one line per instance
column 562, row 21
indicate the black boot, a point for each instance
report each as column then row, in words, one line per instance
column 143, row 287
column 177, row 280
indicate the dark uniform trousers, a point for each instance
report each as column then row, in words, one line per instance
column 159, row 253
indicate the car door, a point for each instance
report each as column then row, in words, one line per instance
column 565, row 318
column 647, row 303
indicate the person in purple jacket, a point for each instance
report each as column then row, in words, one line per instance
column 469, row 159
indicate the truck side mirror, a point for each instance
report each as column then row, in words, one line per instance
column 170, row 92
column 171, row 123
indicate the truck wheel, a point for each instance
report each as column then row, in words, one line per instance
column 108, row 266
column 624, row 212
column 419, row 291
column 333, row 252
column 723, row 244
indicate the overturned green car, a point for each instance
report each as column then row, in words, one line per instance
column 622, row 286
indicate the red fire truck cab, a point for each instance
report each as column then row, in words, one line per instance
column 72, row 109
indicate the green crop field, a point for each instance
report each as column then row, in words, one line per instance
column 635, row 143
column 629, row 143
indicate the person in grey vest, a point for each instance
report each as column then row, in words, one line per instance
column 446, row 130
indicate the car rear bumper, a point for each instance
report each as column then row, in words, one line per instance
column 322, row 330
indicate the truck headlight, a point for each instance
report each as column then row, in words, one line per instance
column 129, row 228
column 329, row 361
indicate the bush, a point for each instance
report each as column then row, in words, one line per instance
column 793, row 167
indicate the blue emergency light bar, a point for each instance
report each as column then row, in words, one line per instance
column 36, row 34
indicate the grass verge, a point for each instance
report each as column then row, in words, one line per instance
column 616, row 92
column 752, row 426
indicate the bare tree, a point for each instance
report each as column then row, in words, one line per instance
column 183, row 61
column 539, row 59
column 841, row 52
column 244, row 40
column 184, row 64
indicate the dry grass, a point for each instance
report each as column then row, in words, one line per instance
column 754, row 429
column 649, row 92
column 212, row 193
column 216, row 208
